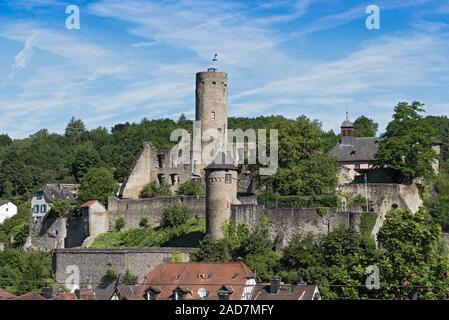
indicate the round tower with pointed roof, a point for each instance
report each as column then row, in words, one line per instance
column 221, row 192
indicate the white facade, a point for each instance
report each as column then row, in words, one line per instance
column 7, row 210
column 39, row 206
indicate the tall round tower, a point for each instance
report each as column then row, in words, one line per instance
column 221, row 192
column 211, row 109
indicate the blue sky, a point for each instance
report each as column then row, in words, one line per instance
column 135, row 59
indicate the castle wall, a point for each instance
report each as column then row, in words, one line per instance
column 133, row 210
column 93, row 263
column 387, row 196
column 43, row 233
column 154, row 165
column 284, row 223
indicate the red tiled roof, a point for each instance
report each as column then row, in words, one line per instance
column 30, row 296
column 194, row 276
column 5, row 295
column 64, row 296
column 87, row 294
column 88, row 204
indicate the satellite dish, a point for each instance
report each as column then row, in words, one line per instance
column 202, row 293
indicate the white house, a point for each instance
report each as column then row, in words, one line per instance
column 43, row 199
column 7, row 210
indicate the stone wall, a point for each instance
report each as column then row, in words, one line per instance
column 284, row 223
column 133, row 210
column 43, row 233
column 93, row 263
column 387, row 196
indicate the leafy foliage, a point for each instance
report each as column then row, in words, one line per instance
column 413, row 259
column 97, row 184
column 61, row 208
column 22, row 272
column 190, row 188
column 407, row 143
column 365, row 127
column 175, row 215
column 154, row 189
column 119, row 224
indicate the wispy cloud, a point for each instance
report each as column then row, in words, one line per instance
column 22, row 59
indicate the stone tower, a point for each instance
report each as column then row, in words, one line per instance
column 221, row 192
column 211, row 108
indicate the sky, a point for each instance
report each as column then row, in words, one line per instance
column 137, row 59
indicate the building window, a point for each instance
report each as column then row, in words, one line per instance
column 43, row 208
column 36, row 209
column 179, row 295
column 160, row 160
column 151, row 295
column 212, row 115
column 174, row 179
column 161, row 178
column 223, row 295
column 228, row 178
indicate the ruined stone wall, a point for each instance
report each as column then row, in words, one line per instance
column 153, row 165
column 93, row 263
column 284, row 223
column 43, row 233
column 133, row 210
column 387, row 196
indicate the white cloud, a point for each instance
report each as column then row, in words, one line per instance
column 22, row 59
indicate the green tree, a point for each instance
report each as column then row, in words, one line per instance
column 190, row 188
column 414, row 261
column 85, row 158
column 407, row 143
column 119, row 224
column 75, row 130
column 212, row 251
column 61, row 208
column 175, row 215
column 97, row 184
column 5, row 140
column 365, row 127
column 153, row 189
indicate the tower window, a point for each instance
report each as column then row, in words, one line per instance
column 213, row 82
column 212, row 115
column 161, row 178
column 228, row 178
column 160, row 160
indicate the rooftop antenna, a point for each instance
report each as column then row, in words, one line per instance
column 214, row 62
column 347, row 115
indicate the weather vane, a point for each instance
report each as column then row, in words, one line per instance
column 214, row 61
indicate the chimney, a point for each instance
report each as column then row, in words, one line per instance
column 275, row 284
column 78, row 294
column 47, row 293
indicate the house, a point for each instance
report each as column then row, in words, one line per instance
column 98, row 220
column 5, row 295
column 276, row 290
column 198, row 281
column 123, row 291
column 43, row 199
column 7, row 210
column 30, row 296
column 355, row 153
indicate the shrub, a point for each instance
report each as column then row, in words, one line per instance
column 153, row 189
column 129, row 278
column 174, row 216
column 119, row 224
column 143, row 223
column 190, row 188
column 111, row 274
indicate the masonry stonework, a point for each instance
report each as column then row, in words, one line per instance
column 93, row 263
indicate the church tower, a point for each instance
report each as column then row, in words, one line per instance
column 347, row 131
column 211, row 108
